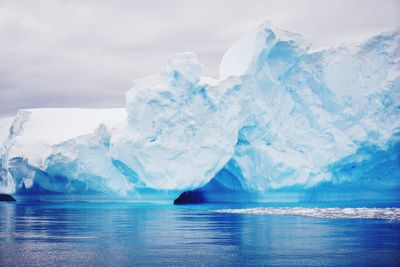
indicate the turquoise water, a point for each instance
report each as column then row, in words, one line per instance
column 129, row 234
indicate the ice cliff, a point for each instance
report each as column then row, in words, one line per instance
column 282, row 119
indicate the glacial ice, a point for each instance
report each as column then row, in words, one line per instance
column 57, row 148
column 282, row 122
column 180, row 130
column 303, row 111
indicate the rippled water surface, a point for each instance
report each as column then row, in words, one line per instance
column 128, row 234
column 326, row 212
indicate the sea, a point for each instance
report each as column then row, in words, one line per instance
column 84, row 233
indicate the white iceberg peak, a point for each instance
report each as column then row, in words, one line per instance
column 185, row 65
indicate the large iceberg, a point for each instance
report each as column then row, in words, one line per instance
column 282, row 122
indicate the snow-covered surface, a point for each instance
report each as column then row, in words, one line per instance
column 332, row 213
column 55, row 125
column 35, row 131
column 279, row 116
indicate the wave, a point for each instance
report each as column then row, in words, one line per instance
column 340, row 213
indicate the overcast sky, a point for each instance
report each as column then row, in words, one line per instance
column 86, row 53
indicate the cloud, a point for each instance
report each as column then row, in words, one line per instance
column 86, row 53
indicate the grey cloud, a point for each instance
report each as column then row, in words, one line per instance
column 86, row 53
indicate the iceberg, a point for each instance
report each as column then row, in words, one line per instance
column 282, row 122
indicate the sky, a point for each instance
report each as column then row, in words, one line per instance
column 87, row 53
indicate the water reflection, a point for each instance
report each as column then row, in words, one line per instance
column 130, row 234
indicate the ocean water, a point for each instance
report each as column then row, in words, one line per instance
column 130, row 234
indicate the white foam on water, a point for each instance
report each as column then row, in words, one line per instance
column 341, row 213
